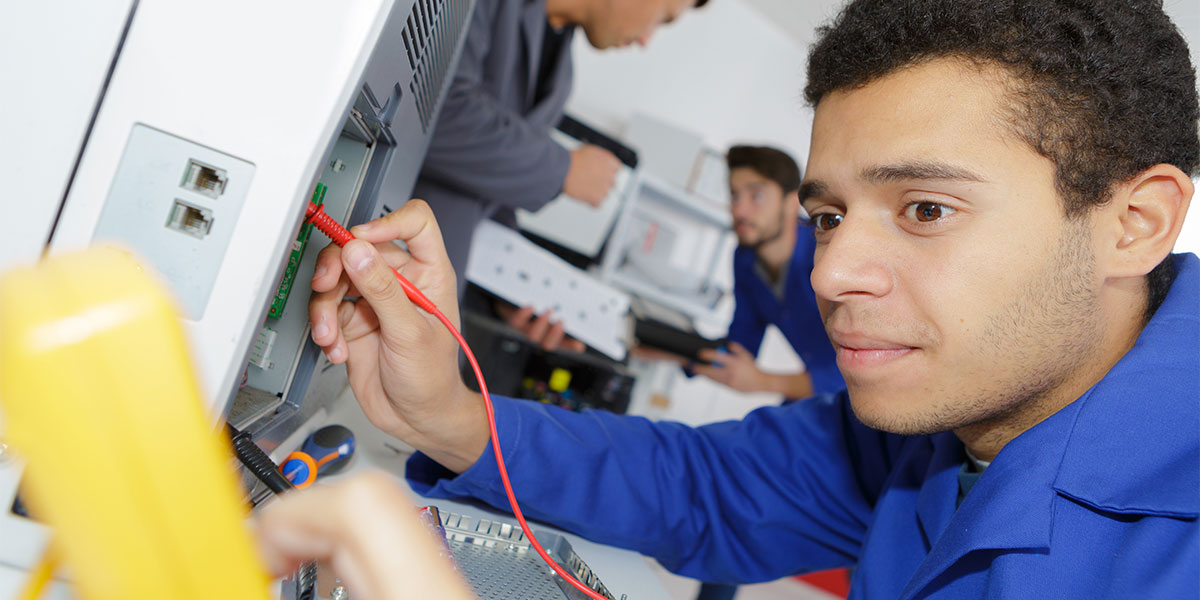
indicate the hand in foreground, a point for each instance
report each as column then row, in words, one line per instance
column 591, row 174
column 540, row 329
column 367, row 530
column 735, row 368
column 401, row 361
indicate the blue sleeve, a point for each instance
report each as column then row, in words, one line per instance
column 747, row 327
column 485, row 149
column 788, row 489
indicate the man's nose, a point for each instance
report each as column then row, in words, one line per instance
column 739, row 206
column 854, row 263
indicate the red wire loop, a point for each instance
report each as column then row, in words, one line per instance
column 318, row 217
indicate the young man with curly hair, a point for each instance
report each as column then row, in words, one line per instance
column 996, row 187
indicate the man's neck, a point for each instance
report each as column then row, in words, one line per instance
column 777, row 253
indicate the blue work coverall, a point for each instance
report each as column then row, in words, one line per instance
column 756, row 306
column 1100, row 500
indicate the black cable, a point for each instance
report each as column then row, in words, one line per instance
column 257, row 461
column 261, row 465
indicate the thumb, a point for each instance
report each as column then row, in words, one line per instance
column 739, row 349
column 378, row 286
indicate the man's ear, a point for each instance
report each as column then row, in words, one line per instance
column 1149, row 210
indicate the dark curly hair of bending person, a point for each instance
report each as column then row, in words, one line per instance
column 1103, row 88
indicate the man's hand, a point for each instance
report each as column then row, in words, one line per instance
column 591, row 174
column 367, row 530
column 738, row 370
column 540, row 329
column 735, row 368
column 401, row 361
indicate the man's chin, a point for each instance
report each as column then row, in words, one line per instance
column 748, row 241
column 895, row 415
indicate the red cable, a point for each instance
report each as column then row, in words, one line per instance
column 318, row 217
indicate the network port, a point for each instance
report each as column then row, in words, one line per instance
column 190, row 219
column 204, row 179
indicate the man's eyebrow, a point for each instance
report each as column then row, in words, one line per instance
column 906, row 171
column 812, row 189
column 919, row 170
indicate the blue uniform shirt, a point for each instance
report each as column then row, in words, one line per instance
column 1100, row 500
column 756, row 306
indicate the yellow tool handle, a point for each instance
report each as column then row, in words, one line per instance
column 123, row 463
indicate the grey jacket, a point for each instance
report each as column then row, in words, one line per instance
column 491, row 150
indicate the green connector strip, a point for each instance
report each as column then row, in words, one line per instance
column 293, row 265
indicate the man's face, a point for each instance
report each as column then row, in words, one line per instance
column 619, row 23
column 954, row 289
column 756, row 205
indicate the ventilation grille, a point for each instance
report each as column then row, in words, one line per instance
column 430, row 37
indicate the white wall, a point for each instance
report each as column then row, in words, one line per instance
column 723, row 71
column 1186, row 15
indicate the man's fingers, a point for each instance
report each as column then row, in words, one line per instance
column 360, row 320
column 519, row 319
column 415, row 225
column 368, row 528
column 554, row 337
column 739, row 350
column 328, row 270
column 710, row 355
column 323, row 312
column 537, row 330
column 377, row 284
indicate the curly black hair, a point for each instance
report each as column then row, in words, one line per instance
column 776, row 165
column 1103, row 88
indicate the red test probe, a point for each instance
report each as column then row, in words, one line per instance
column 318, row 217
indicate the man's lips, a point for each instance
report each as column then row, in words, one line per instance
column 857, row 351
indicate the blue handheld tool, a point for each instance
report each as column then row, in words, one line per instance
column 331, row 447
column 326, row 451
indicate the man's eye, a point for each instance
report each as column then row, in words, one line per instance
column 826, row 221
column 926, row 212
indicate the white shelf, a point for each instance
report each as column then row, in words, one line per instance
column 695, row 204
column 688, row 305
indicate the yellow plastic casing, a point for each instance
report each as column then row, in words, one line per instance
column 122, row 461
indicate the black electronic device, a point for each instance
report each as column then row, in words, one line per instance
column 668, row 338
column 516, row 367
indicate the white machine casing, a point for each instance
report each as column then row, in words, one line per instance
column 270, row 86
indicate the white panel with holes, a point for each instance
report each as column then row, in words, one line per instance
column 510, row 266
